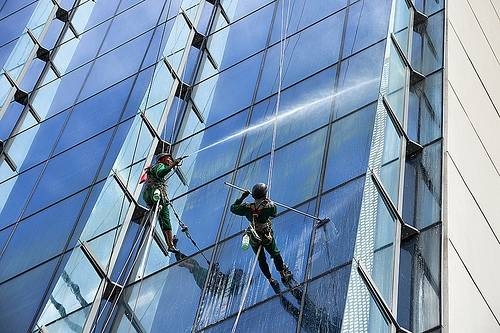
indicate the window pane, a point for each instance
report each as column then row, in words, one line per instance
column 241, row 39
column 427, row 44
column 40, row 236
column 22, row 296
column 401, row 24
column 425, row 109
column 238, row 9
column 310, row 50
column 69, row 172
column 334, row 241
column 325, row 300
column 422, row 195
column 419, row 281
column 349, row 147
column 368, row 22
column 359, row 80
column 76, row 288
column 9, row 118
column 395, row 91
column 216, row 98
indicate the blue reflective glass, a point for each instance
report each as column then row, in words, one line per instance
column 216, row 97
column 52, row 225
column 204, row 165
column 334, row 241
column 116, row 65
column 429, row 6
column 425, row 109
column 182, row 283
column 53, row 33
column 241, row 39
column 69, row 172
column 238, row 9
column 22, row 296
column 9, row 119
column 306, row 52
column 87, row 46
column 5, row 51
column 126, row 25
column 427, row 44
column 158, row 42
column 422, row 195
column 325, row 301
column 139, row 90
column 129, row 248
column 32, row 75
column 359, row 79
column 105, row 106
column 289, row 168
column 12, row 25
column 349, row 147
column 14, row 193
column 40, row 139
column 367, row 23
column 66, row 4
column 101, row 12
column 299, row 14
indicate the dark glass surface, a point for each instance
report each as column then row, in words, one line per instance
column 427, row 44
column 349, row 147
column 422, row 195
column 15, row 192
column 40, row 236
column 367, row 23
column 12, row 26
column 429, row 6
column 334, row 242
column 69, row 172
column 419, row 281
column 105, row 106
column 9, row 119
column 22, row 296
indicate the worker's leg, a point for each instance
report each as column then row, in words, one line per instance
column 274, row 252
column 264, row 267
column 166, row 227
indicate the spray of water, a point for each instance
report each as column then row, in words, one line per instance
column 288, row 113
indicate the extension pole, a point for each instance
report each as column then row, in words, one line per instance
column 322, row 221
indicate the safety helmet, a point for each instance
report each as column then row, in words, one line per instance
column 162, row 155
column 259, row 191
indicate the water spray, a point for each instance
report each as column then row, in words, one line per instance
column 320, row 220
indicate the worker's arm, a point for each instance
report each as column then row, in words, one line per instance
column 238, row 207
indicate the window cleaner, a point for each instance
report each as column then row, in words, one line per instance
column 156, row 190
column 260, row 232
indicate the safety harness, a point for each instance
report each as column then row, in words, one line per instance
column 260, row 230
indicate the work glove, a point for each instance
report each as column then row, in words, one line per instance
column 178, row 161
column 245, row 194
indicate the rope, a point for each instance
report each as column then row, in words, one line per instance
column 273, row 147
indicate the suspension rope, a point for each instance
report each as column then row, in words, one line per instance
column 273, row 147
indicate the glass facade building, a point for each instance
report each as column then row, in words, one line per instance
column 337, row 105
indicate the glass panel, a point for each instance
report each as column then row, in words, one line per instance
column 151, row 299
column 390, row 169
column 76, row 288
column 14, row 193
column 429, row 6
column 9, row 118
column 32, row 75
column 53, row 33
column 115, row 65
column 69, row 172
column 427, row 44
column 238, row 9
column 40, row 17
column 299, row 14
column 241, row 39
column 368, row 23
column 212, row 152
column 395, row 90
column 216, row 97
column 349, row 147
column 325, row 300
column 106, row 106
column 359, row 80
column 400, row 27
column 359, row 301
column 158, row 91
column 310, row 50
column 73, row 322
column 425, row 109
column 422, row 195
column 277, row 315
column 289, row 166
column 13, row 25
column 303, row 108
column 108, row 211
column 334, row 241
column 19, row 56
column 42, row 226
column 419, row 281
column 176, row 42
column 22, row 296
column 35, row 144
column 5, row 87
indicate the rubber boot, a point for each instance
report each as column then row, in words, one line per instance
column 275, row 285
column 170, row 241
